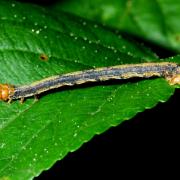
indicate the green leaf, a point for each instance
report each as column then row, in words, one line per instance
column 35, row 45
column 156, row 21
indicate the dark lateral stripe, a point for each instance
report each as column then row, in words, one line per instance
column 143, row 70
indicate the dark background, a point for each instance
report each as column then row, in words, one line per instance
column 145, row 146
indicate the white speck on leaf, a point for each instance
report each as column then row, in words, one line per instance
column 37, row 31
column 85, row 38
column 71, row 34
column 84, row 23
column 2, row 145
column 95, row 26
column 13, row 5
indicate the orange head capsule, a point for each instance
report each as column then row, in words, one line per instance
column 5, row 91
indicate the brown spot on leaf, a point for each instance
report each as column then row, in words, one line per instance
column 43, row 57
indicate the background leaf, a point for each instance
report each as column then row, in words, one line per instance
column 35, row 134
column 156, row 21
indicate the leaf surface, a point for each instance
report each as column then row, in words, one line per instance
column 37, row 43
column 156, row 21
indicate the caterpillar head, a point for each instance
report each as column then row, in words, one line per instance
column 5, row 91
